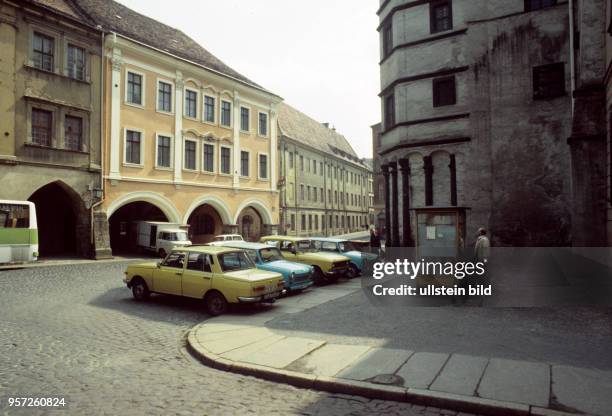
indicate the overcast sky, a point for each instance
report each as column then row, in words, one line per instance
column 321, row 56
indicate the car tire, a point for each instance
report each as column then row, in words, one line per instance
column 140, row 290
column 216, row 304
column 162, row 253
column 318, row 277
column 352, row 272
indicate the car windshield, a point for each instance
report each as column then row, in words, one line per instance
column 252, row 255
column 237, row 238
column 182, row 236
column 236, row 260
column 270, row 254
column 347, row 246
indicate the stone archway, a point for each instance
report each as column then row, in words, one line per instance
column 205, row 223
column 123, row 222
column 250, row 224
column 63, row 221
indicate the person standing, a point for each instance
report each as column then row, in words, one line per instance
column 374, row 241
column 482, row 247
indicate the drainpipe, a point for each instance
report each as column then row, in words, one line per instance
column 102, row 126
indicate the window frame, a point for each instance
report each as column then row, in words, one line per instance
column 197, row 103
column 432, row 18
column 389, row 113
column 267, row 156
column 221, row 147
column 83, row 126
column 142, row 88
column 142, row 146
column 171, row 156
column 184, row 160
column 71, row 43
column 214, row 112
column 172, row 96
column 259, row 114
column 231, row 116
column 48, row 34
column 436, row 91
column 248, row 110
column 387, row 41
column 214, row 159
column 52, row 125
column 248, row 175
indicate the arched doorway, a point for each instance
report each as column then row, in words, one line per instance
column 63, row 223
column 250, row 224
column 123, row 225
column 204, row 223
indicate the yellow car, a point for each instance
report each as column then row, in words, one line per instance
column 327, row 266
column 218, row 275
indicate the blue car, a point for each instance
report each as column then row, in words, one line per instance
column 359, row 259
column 296, row 276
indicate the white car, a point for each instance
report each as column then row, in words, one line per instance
column 225, row 237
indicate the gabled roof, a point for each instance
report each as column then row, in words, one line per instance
column 115, row 17
column 298, row 126
column 66, row 8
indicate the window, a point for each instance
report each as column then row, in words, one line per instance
column 163, row 151
column 263, row 124
column 191, row 103
column 331, row 221
column 175, row 260
column 133, row 147
column 310, row 221
column 244, row 118
column 302, row 163
column 73, row 133
column 292, row 223
column 314, row 167
column 134, row 88
column 321, row 168
column 308, row 192
column 164, row 96
column 190, row 154
column 302, row 192
column 290, row 160
column 76, row 62
column 444, row 92
column 303, row 221
column 226, row 113
column 549, row 81
column 209, row 109
column 441, row 16
column 42, row 127
column 199, row 262
column 315, row 194
column 226, row 166
column 263, row 166
column 387, row 33
column 531, row 5
column 209, row 158
column 389, row 112
column 43, row 50
column 244, row 163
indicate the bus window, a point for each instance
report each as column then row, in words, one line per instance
column 14, row 216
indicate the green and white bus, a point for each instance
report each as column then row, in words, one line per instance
column 18, row 232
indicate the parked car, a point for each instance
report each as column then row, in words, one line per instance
column 225, row 237
column 359, row 259
column 160, row 237
column 297, row 276
column 218, row 275
column 327, row 266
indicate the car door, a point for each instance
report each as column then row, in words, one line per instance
column 197, row 277
column 167, row 277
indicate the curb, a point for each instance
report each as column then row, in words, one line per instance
column 360, row 388
column 73, row 262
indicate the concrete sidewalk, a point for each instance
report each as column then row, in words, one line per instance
column 487, row 385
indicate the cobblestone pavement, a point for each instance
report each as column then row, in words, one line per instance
column 75, row 332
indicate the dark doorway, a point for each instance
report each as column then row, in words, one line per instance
column 58, row 215
column 204, row 223
column 123, row 228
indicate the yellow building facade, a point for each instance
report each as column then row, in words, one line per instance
column 185, row 144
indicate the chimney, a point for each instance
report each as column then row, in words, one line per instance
column 326, row 125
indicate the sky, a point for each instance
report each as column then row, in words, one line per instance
column 321, row 56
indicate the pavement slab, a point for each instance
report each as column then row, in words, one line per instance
column 283, row 352
column 376, row 361
column 236, row 339
column 421, row 369
column 516, row 381
column 586, row 390
column 239, row 353
column 460, row 375
column 329, row 359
